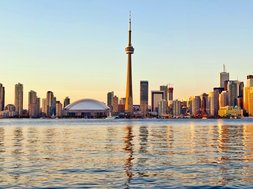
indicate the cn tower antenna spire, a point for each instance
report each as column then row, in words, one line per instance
column 129, row 20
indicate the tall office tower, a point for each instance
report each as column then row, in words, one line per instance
column 204, row 101
column 66, row 101
column 33, row 104
column 213, row 99
column 176, row 106
column 2, row 97
column 170, row 91
column 50, row 104
column 164, row 88
column 250, row 101
column 58, row 109
column 246, row 92
column 223, row 99
column 129, row 93
column 249, row 80
column 232, row 92
column 224, row 76
column 115, row 108
column 240, row 88
column 144, row 97
column 54, row 106
column 110, row 96
column 196, row 106
column 189, row 104
column 19, row 99
column 156, row 97
column 44, row 106
column 162, row 107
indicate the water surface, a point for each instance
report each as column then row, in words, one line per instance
column 126, row 153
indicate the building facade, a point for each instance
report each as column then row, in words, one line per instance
column 156, row 97
column 2, row 97
column 144, row 97
column 19, row 99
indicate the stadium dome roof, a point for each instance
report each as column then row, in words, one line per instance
column 87, row 105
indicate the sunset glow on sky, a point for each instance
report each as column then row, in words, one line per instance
column 76, row 48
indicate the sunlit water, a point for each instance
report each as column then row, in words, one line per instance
column 126, row 153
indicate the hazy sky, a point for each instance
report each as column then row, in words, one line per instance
column 76, row 47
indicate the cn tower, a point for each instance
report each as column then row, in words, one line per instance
column 129, row 91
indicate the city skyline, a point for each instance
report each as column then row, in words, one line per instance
column 67, row 52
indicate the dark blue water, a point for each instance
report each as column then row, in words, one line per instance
column 126, row 153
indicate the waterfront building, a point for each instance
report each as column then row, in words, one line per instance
column 58, row 109
column 129, row 93
column 204, row 103
column 2, row 97
column 51, row 103
column 164, row 88
column 189, row 104
column 115, row 108
column 8, row 112
column 240, row 102
column 176, row 106
column 246, row 91
column 249, row 80
column 44, row 106
column 196, row 106
column 170, row 93
column 162, row 107
column 232, row 92
column 213, row 98
column 223, row 99
column 66, row 101
column 87, row 108
column 19, row 99
column 110, row 96
column 122, row 101
column 250, row 101
column 229, row 111
column 144, row 97
column 224, row 76
column 156, row 97
column 33, row 105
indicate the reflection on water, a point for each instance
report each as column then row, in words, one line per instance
column 126, row 154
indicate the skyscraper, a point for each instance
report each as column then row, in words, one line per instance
column 176, row 108
column 115, row 108
column 249, row 80
column 213, row 98
column 156, row 97
column 224, row 76
column 164, row 88
column 50, row 108
column 110, row 96
column 246, row 93
column 144, row 97
column 129, row 93
column 58, row 109
column 2, row 97
column 19, row 99
column 223, row 99
column 170, row 90
column 196, row 106
column 66, row 101
column 44, row 106
column 232, row 92
column 33, row 105
column 204, row 104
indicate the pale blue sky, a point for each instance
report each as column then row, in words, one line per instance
column 76, row 47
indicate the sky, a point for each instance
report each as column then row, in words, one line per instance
column 76, row 48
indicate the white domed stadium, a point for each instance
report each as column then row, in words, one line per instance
column 86, row 108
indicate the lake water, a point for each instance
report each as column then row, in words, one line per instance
column 126, row 153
